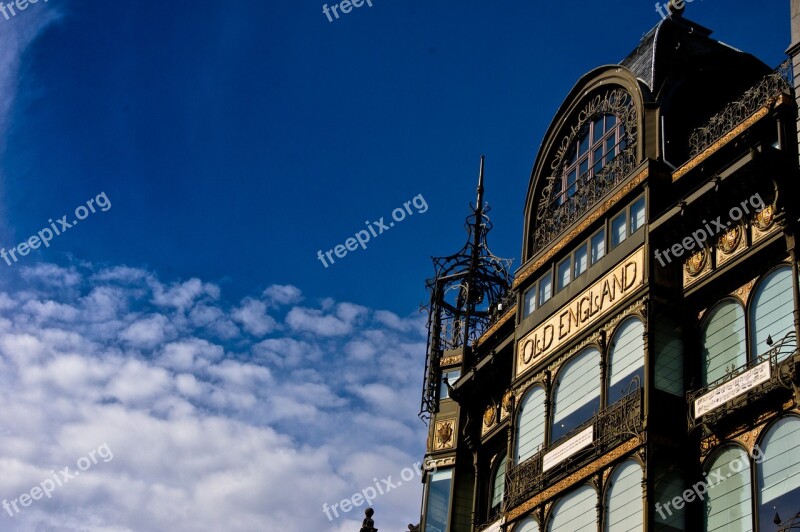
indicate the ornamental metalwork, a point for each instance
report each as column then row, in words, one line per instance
column 697, row 262
column 730, row 240
column 468, row 291
column 613, row 426
column 554, row 213
column 763, row 94
column 764, row 218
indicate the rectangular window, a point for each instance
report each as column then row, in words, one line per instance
column 438, row 501
column 530, row 302
column 451, row 376
column 619, row 229
column 581, row 260
column 637, row 215
column 598, row 246
column 545, row 288
column 564, row 273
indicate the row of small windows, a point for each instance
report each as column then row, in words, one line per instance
column 585, row 255
column 577, row 389
column 724, row 331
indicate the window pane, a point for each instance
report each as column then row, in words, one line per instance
column 626, row 358
column 618, row 230
column 452, row 376
column 598, row 246
column 528, row 525
column 576, row 511
column 669, row 357
column 611, row 122
column 545, row 288
column 498, row 486
column 599, row 130
column 438, row 501
column 583, row 147
column 597, row 160
column 610, row 144
column 577, row 392
column 581, row 260
column 728, row 505
column 584, row 169
column 773, row 305
column 564, row 270
column 530, row 431
column 669, row 519
column 637, row 215
column 779, row 472
column 530, row 302
column 624, row 506
column 723, row 337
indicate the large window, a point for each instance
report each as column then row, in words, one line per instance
column 531, row 424
column 778, row 473
column 728, row 506
column 577, row 392
column 667, row 517
column 528, row 524
column 498, row 483
column 576, row 511
column 771, row 310
column 438, row 501
column 624, row 509
column 723, row 337
column 669, row 356
column 626, row 358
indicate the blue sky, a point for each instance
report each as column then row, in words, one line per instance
column 235, row 140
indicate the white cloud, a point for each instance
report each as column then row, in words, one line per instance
column 283, row 294
column 252, row 315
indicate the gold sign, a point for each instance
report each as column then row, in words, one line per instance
column 594, row 302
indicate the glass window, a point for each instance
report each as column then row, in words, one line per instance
column 618, row 230
column 451, row 376
column 728, row 506
column 577, row 392
column 438, row 501
column 637, row 215
column 498, row 484
column 530, row 302
column 530, row 425
column 771, row 311
column 564, row 271
column 624, row 508
column 626, row 358
column 529, row 524
column 669, row 518
column 581, row 260
column 779, row 471
column 598, row 246
column 669, row 357
column 576, row 511
column 545, row 288
column 723, row 340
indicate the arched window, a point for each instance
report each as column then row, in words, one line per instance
column 499, row 483
column 577, row 392
column 728, row 504
column 772, row 309
column 778, row 473
column 529, row 524
column 624, row 507
column 576, row 511
column 724, row 340
column 530, row 424
column 626, row 358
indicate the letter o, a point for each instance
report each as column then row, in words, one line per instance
column 85, row 210
column 738, row 464
column 88, row 464
column 736, row 218
column 410, row 474
column 402, row 212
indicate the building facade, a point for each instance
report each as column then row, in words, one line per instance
column 639, row 370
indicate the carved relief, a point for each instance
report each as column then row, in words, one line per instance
column 443, row 434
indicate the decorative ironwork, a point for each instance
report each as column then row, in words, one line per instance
column 760, row 95
column 465, row 294
column 781, row 357
column 612, row 426
column 555, row 212
column 791, row 524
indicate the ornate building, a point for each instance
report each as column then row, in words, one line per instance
column 639, row 371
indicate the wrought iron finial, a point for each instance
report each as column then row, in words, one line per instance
column 368, row 525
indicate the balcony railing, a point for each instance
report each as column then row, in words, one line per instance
column 745, row 384
column 756, row 97
column 610, row 427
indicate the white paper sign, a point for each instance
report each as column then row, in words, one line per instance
column 731, row 389
column 568, row 448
